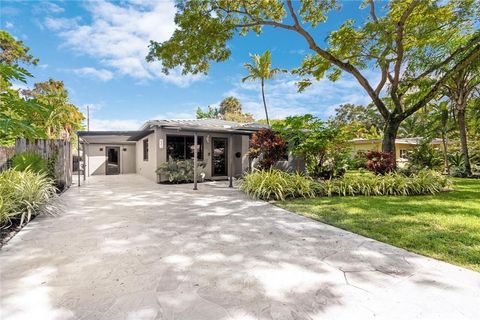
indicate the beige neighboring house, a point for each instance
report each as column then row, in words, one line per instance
column 223, row 145
column 402, row 146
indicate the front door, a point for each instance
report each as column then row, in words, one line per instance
column 113, row 160
column 219, row 157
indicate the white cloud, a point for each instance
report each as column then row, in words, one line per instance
column 101, row 74
column 283, row 100
column 58, row 24
column 114, row 124
column 118, row 35
column 9, row 25
column 52, row 7
column 174, row 116
column 48, row 7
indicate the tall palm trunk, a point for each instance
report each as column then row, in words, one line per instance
column 463, row 139
column 264, row 102
column 446, row 165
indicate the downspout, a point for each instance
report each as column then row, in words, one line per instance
column 230, row 161
column 195, row 161
column 78, row 159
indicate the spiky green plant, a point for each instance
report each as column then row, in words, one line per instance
column 24, row 194
column 29, row 161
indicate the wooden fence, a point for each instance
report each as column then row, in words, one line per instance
column 6, row 154
column 59, row 150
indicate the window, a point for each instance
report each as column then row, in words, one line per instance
column 145, row 150
column 181, row 147
column 403, row 154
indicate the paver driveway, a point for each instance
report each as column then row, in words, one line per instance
column 127, row 248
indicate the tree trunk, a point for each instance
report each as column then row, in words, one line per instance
column 446, row 166
column 389, row 136
column 264, row 102
column 463, row 140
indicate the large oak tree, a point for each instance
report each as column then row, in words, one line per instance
column 394, row 41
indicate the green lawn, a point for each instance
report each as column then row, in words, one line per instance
column 445, row 226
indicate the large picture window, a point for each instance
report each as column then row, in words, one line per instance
column 181, row 147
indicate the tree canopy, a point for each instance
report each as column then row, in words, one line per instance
column 395, row 42
column 41, row 112
column 230, row 109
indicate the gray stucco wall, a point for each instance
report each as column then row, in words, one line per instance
column 147, row 168
column 96, row 158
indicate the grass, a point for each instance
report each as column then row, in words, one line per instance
column 444, row 226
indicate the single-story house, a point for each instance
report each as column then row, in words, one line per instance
column 402, row 146
column 223, row 145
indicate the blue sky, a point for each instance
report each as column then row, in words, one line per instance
column 98, row 49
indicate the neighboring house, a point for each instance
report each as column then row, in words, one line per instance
column 402, row 146
column 223, row 145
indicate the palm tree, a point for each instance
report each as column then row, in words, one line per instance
column 261, row 69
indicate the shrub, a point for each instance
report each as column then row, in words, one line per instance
column 380, row 162
column 322, row 145
column 277, row 185
column 358, row 161
column 457, row 165
column 29, row 161
column 424, row 156
column 24, row 194
column 180, row 171
column 268, row 146
column 423, row 182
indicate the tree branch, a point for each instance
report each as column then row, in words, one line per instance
column 346, row 66
column 399, row 42
column 439, row 65
column 461, row 65
column 372, row 11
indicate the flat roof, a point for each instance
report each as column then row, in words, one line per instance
column 205, row 125
column 113, row 137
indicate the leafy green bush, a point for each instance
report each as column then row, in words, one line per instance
column 277, row 185
column 24, row 194
column 322, row 145
column 180, row 171
column 424, row 156
column 423, row 182
column 29, row 161
column 358, row 161
column 457, row 165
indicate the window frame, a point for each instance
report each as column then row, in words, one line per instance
column 200, row 155
column 145, row 149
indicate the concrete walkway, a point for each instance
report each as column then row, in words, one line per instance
column 127, row 248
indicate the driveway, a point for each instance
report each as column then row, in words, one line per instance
column 126, row 248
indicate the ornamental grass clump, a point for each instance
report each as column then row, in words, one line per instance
column 390, row 184
column 24, row 194
column 277, row 185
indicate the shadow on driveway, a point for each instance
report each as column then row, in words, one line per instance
column 126, row 248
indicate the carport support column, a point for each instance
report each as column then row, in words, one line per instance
column 78, row 159
column 230, row 161
column 84, row 162
column 195, row 161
